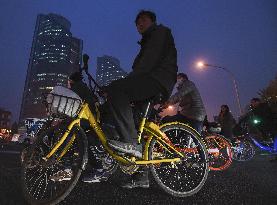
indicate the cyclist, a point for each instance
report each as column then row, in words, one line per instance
column 192, row 109
column 192, row 112
column 94, row 171
column 265, row 119
column 261, row 118
column 154, row 72
column 76, row 84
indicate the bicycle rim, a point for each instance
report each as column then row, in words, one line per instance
column 184, row 178
column 219, row 151
column 41, row 181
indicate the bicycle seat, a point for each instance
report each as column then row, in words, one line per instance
column 158, row 99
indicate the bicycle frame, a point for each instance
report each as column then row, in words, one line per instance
column 272, row 149
column 150, row 128
column 263, row 147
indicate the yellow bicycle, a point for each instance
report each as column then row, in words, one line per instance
column 179, row 166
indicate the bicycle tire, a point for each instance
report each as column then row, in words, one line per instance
column 183, row 185
column 221, row 158
column 243, row 151
column 78, row 152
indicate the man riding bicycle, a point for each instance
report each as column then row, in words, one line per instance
column 61, row 152
column 154, row 72
column 192, row 109
column 192, row 112
column 261, row 122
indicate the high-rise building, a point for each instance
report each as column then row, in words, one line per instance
column 108, row 70
column 54, row 55
column 5, row 119
column 5, row 124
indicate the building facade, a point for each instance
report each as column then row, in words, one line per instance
column 5, row 122
column 55, row 53
column 108, row 70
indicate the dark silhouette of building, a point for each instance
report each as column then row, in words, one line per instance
column 5, row 121
column 54, row 55
column 14, row 128
column 108, row 70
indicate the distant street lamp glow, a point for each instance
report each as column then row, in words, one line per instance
column 201, row 64
column 170, row 107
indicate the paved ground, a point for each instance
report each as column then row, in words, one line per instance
column 252, row 182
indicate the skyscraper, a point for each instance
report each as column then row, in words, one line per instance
column 108, row 70
column 5, row 120
column 54, row 55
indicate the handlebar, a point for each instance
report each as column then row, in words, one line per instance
column 90, row 78
column 85, row 61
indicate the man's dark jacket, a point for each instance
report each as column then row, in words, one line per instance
column 157, row 57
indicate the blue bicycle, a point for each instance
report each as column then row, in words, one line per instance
column 243, row 146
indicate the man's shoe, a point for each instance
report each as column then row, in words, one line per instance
column 129, row 148
column 99, row 175
column 136, row 184
column 62, row 175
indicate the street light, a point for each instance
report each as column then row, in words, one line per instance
column 202, row 65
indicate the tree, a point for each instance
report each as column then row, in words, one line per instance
column 269, row 94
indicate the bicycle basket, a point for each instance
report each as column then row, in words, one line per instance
column 63, row 101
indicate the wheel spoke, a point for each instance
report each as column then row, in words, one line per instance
column 46, row 181
column 219, row 153
column 243, row 151
column 187, row 176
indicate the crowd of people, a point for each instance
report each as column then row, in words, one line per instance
column 155, row 72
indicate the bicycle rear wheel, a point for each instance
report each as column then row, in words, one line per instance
column 219, row 151
column 243, row 150
column 49, row 182
column 186, row 177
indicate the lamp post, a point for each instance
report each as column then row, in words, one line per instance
column 201, row 65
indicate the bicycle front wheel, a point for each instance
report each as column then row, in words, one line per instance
column 186, row 177
column 49, row 182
